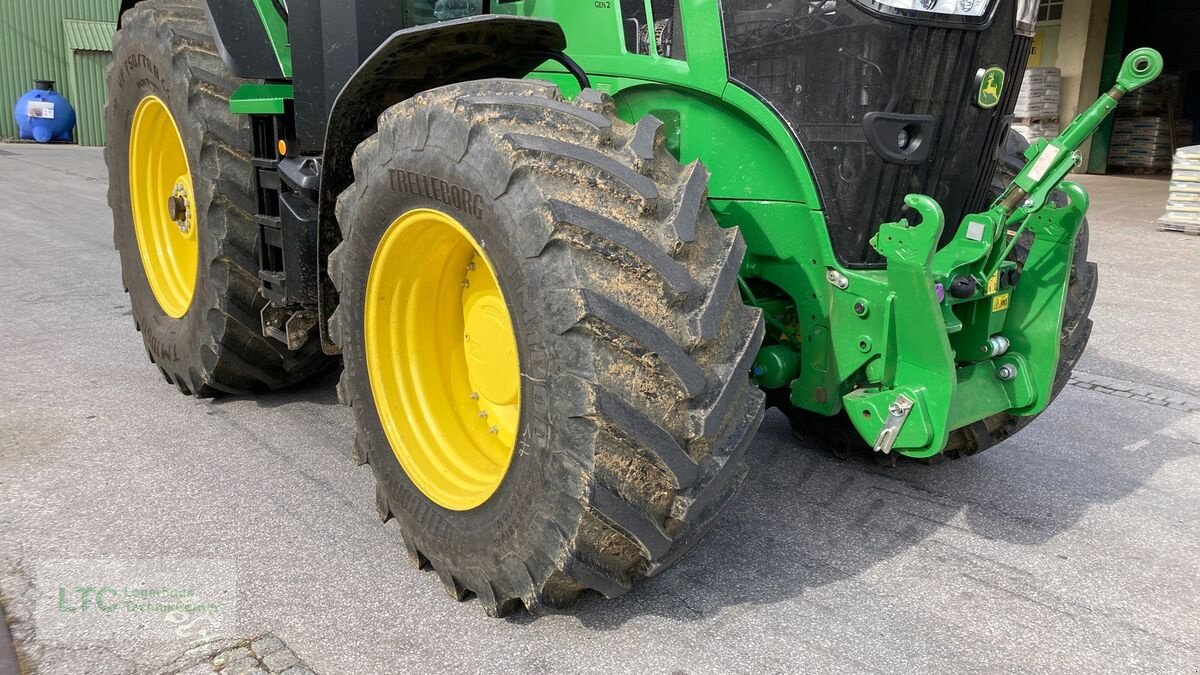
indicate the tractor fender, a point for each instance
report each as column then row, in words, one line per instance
column 241, row 38
column 409, row 62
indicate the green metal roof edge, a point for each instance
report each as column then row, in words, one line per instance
column 91, row 36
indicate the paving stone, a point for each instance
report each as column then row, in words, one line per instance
column 198, row 669
column 201, row 655
column 266, row 645
column 297, row 670
column 230, row 656
column 280, row 660
column 1135, row 391
column 242, row 666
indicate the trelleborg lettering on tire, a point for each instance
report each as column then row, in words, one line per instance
column 413, row 183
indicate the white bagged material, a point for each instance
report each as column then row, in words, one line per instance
column 1141, row 142
column 1183, row 202
column 1041, row 92
column 1037, row 129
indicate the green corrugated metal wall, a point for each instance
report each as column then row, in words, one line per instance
column 87, row 83
column 33, row 46
column 89, row 48
column 92, row 36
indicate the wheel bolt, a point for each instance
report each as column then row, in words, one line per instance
column 493, row 429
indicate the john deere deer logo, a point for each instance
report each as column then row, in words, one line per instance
column 991, row 86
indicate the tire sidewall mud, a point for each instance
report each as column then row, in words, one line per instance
column 508, row 521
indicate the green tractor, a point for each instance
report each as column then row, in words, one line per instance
column 567, row 251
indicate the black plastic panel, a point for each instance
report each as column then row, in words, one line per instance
column 899, row 138
column 825, row 65
column 242, row 39
column 329, row 42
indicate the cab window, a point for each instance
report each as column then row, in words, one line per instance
column 422, row 12
column 665, row 22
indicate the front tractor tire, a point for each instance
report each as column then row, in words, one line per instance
column 181, row 193
column 545, row 348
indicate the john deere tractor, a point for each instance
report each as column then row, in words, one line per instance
column 567, row 251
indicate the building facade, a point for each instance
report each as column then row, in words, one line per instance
column 67, row 41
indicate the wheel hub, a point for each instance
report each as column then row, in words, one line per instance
column 442, row 359
column 489, row 346
column 179, row 209
column 166, row 237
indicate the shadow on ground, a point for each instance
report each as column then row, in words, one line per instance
column 1127, row 371
column 321, row 390
column 805, row 519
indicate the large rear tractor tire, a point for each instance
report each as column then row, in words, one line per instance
column 839, row 434
column 545, row 348
column 181, row 193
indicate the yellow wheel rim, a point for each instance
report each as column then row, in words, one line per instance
column 164, row 214
column 442, row 359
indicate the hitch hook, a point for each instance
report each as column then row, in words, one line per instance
column 897, row 415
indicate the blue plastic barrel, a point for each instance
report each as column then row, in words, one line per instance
column 44, row 115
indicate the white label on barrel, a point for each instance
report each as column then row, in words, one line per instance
column 40, row 109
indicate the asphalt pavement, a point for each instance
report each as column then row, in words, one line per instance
column 1072, row 547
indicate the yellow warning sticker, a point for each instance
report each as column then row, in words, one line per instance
column 1000, row 302
column 994, row 284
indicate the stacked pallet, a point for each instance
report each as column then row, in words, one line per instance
column 1149, row 100
column 1141, row 143
column 1036, row 112
column 1150, row 125
column 1035, row 129
column 1184, row 131
column 1041, row 92
column 1183, row 202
